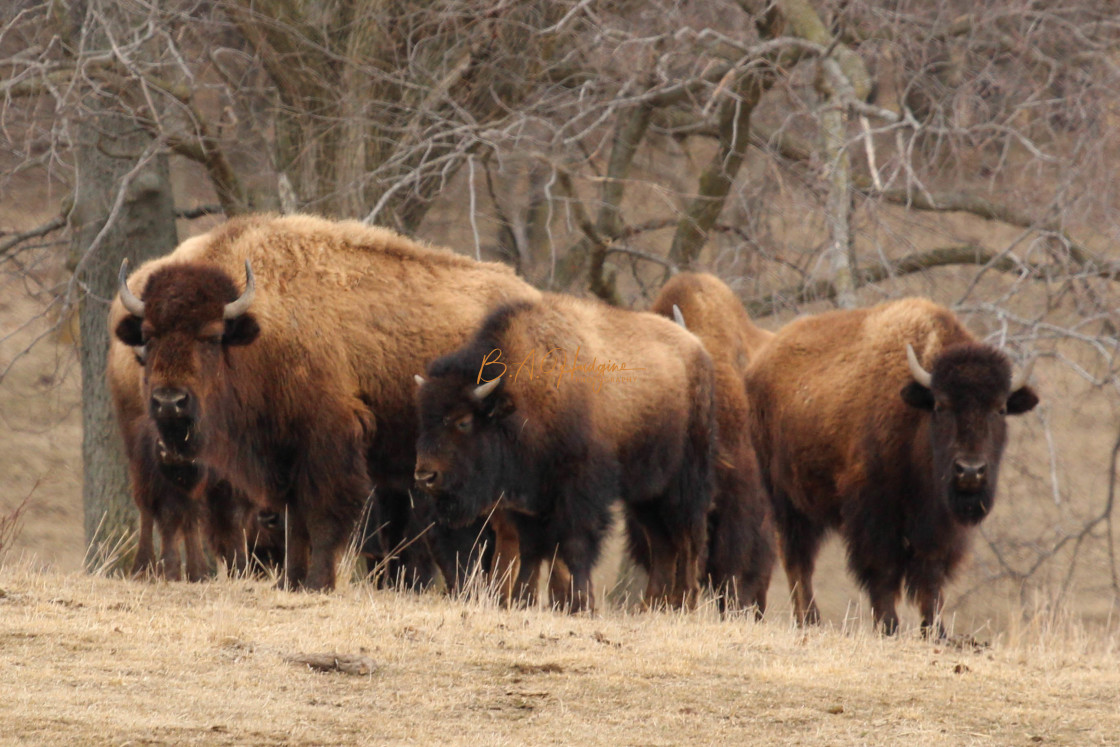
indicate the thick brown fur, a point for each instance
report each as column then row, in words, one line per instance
column 556, row 449
column 740, row 554
column 847, row 439
column 314, row 412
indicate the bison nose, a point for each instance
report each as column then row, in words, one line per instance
column 969, row 475
column 167, row 402
column 426, row 478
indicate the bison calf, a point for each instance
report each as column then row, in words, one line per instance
column 557, row 408
column 887, row 423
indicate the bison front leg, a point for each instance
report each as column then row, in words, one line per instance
column 297, row 550
column 930, row 603
column 582, row 594
column 559, row 581
column 559, row 584
column 170, row 563
column 662, row 570
column 229, row 514
column 329, row 530
column 145, row 562
column 197, row 567
column 506, row 562
column 330, row 488
column 686, row 585
column 883, row 587
column 884, row 606
column 579, row 553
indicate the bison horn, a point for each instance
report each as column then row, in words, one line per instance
column 236, row 308
column 1019, row 378
column 133, row 304
column 420, row 380
column 678, row 317
column 482, row 391
column 920, row 375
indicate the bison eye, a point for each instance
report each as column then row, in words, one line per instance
column 463, row 424
column 141, row 353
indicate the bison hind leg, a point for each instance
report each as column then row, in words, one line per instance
column 800, row 542
column 669, row 535
column 740, row 551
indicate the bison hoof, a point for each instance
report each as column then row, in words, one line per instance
column 144, row 572
column 301, row 585
column 812, row 616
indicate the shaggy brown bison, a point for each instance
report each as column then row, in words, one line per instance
column 740, row 552
column 277, row 353
column 887, row 423
column 557, row 408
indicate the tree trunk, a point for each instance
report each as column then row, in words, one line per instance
column 719, row 176
column 123, row 207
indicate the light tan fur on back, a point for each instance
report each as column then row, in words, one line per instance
column 654, row 358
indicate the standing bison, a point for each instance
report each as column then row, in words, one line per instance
column 740, row 553
column 530, row 417
column 276, row 354
column 888, row 424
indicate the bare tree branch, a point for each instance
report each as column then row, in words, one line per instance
column 14, row 241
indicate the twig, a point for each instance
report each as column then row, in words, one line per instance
column 50, row 226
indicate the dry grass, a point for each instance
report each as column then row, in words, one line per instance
column 91, row 660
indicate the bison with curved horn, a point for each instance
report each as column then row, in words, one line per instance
column 294, row 385
column 888, row 424
column 530, row 417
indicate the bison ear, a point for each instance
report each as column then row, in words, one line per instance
column 1021, row 400
column 241, row 330
column 916, row 395
column 499, row 406
column 128, row 331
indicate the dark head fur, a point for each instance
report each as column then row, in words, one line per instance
column 967, row 399
column 465, row 454
column 182, row 341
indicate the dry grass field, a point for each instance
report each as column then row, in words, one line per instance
column 90, row 660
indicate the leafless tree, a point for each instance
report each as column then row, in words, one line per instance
column 813, row 152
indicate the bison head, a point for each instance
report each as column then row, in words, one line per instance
column 968, row 394
column 464, row 453
column 181, row 331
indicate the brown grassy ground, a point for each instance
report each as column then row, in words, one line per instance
column 92, row 660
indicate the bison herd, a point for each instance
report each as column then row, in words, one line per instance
column 285, row 383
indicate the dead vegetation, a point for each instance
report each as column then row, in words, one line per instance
column 94, row 660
